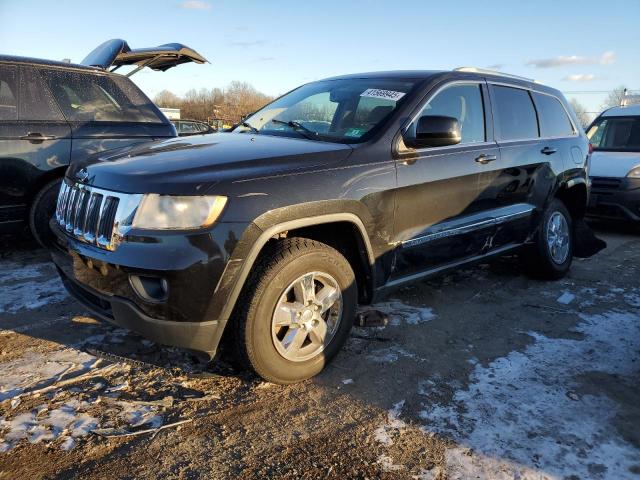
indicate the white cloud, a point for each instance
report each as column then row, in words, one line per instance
column 246, row 43
column 606, row 58
column 580, row 77
column 196, row 5
column 496, row 66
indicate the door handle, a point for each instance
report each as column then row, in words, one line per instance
column 37, row 137
column 548, row 150
column 484, row 159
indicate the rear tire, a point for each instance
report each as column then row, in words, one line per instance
column 551, row 255
column 295, row 312
column 42, row 210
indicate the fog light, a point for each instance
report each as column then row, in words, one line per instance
column 150, row 289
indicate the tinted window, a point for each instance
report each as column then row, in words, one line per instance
column 617, row 134
column 463, row 102
column 554, row 121
column 8, row 93
column 99, row 98
column 36, row 102
column 516, row 117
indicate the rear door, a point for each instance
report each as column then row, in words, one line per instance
column 105, row 111
column 35, row 139
column 558, row 133
column 522, row 180
column 439, row 219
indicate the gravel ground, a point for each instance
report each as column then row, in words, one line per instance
column 483, row 373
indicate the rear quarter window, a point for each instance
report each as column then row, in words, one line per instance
column 554, row 121
column 87, row 97
column 516, row 115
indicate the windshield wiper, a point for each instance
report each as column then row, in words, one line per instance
column 250, row 127
column 304, row 131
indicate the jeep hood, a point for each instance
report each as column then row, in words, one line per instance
column 193, row 165
column 613, row 164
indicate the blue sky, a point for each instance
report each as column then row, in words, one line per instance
column 277, row 45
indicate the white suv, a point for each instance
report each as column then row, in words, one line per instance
column 615, row 164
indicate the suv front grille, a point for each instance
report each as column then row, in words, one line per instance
column 95, row 216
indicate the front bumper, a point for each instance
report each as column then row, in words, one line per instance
column 614, row 199
column 198, row 336
column 185, row 312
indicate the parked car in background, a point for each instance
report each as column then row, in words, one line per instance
column 54, row 113
column 192, row 127
column 330, row 196
column 615, row 164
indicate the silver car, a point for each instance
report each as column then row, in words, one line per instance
column 615, row 164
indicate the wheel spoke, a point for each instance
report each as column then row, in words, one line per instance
column 294, row 339
column 327, row 297
column 318, row 334
column 285, row 314
column 305, row 290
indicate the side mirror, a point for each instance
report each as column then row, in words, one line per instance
column 435, row 131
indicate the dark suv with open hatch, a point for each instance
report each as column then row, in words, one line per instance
column 54, row 113
column 330, row 196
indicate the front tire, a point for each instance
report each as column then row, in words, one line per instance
column 42, row 210
column 296, row 311
column 551, row 255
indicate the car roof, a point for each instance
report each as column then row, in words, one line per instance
column 394, row 74
column 13, row 59
column 627, row 111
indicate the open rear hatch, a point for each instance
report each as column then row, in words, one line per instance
column 115, row 53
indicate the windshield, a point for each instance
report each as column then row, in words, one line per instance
column 99, row 98
column 346, row 110
column 619, row 134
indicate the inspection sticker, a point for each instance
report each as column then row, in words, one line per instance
column 386, row 94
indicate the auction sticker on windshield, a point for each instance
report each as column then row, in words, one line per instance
column 386, row 94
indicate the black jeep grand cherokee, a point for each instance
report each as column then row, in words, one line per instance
column 325, row 198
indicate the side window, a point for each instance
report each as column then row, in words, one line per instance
column 516, row 116
column 554, row 121
column 92, row 97
column 36, row 102
column 463, row 102
column 8, row 93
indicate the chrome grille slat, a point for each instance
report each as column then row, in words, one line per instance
column 81, row 213
column 95, row 216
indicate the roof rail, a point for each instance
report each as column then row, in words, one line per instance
column 493, row 72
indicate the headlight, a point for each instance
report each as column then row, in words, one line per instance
column 167, row 212
column 634, row 173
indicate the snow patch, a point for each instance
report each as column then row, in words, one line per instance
column 37, row 370
column 399, row 312
column 29, row 287
column 518, row 419
column 566, row 298
column 385, row 432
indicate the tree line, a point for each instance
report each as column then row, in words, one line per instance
column 238, row 99
column 229, row 104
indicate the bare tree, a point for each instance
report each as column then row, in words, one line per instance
column 581, row 112
column 229, row 104
column 615, row 97
column 167, row 99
